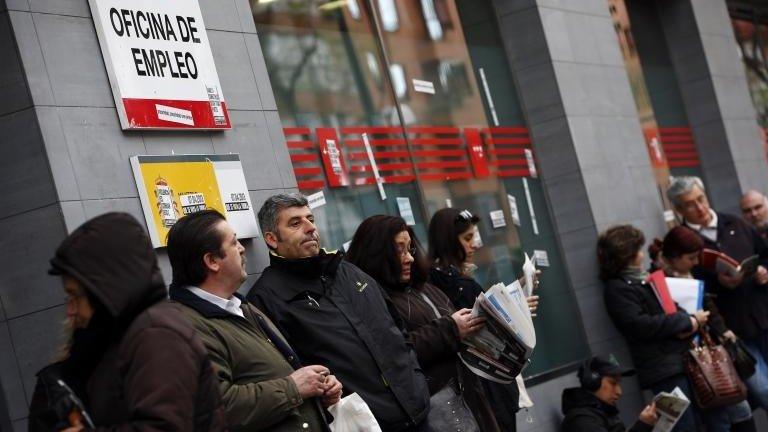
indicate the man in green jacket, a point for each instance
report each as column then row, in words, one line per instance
column 263, row 384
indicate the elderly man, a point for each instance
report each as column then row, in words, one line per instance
column 262, row 383
column 742, row 301
column 754, row 208
column 335, row 314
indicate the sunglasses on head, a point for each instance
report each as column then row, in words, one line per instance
column 465, row 215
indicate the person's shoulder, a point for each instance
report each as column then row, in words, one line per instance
column 732, row 220
column 169, row 315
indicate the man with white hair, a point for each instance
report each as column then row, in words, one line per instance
column 754, row 209
column 742, row 301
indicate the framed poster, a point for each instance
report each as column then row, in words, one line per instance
column 171, row 187
column 160, row 64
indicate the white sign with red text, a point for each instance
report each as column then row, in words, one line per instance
column 160, row 64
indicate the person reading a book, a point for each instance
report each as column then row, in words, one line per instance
column 387, row 249
column 680, row 252
column 656, row 340
column 754, row 209
column 740, row 296
column 592, row 407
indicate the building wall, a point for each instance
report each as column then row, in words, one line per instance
column 66, row 158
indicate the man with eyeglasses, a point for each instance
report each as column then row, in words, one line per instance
column 741, row 299
column 334, row 314
column 754, row 209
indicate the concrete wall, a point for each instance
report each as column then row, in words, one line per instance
column 66, row 159
column 716, row 98
column 594, row 163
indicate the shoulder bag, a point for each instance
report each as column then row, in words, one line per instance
column 712, row 374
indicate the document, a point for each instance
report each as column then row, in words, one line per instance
column 687, row 293
column 670, row 407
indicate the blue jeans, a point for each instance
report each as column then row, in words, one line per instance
column 758, row 382
column 721, row 419
column 687, row 422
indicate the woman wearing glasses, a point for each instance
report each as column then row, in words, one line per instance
column 387, row 249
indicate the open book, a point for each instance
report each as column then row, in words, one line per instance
column 670, row 407
column 722, row 263
column 501, row 350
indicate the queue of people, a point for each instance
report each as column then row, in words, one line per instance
column 385, row 321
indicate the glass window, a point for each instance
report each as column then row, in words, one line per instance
column 444, row 128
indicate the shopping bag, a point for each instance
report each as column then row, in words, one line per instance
column 352, row 414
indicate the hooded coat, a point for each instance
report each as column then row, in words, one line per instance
column 139, row 364
column 584, row 412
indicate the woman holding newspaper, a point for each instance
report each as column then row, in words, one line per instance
column 680, row 252
column 452, row 246
column 387, row 249
column 657, row 341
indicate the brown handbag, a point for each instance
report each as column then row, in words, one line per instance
column 713, row 377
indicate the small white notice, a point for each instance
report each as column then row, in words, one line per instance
column 669, row 216
column 316, row 200
column 531, row 164
column 422, row 86
column 406, row 212
column 448, row 203
column 513, row 209
column 497, row 219
column 346, row 245
column 541, row 257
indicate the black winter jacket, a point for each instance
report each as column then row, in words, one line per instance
column 335, row 315
column 651, row 334
column 745, row 308
column 586, row 413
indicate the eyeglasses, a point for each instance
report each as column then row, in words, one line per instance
column 403, row 252
column 73, row 298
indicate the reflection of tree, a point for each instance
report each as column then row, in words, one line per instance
column 288, row 73
column 751, row 38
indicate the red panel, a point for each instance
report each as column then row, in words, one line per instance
column 307, row 171
column 296, row 131
column 310, row 184
column 437, row 141
column 303, row 157
column 508, row 130
column 377, row 142
column 441, row 164
column 523, row 172
column 371, row 130
column 677, row 139
column 476, row 153
column 683, row 155
column 437, row 153
column 684, row 164
column 333, row 160
column 300, row 144
column 507, row 152
column 512, row 162
column 508, row 141
column 142, row 113
column 671, row 148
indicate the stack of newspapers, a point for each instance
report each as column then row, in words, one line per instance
column 501, row 350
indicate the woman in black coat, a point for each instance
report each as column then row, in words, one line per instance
column 387, row 249
column 656, row 341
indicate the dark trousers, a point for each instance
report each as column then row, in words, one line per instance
column 687, row 422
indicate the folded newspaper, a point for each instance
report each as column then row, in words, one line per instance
column 501, row 350
column 670, row 407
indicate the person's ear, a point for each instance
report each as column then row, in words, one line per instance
column 271, row 239
column 211, row 262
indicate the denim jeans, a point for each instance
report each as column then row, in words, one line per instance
column 687, row 422
column 758, row 382
column 721, row 419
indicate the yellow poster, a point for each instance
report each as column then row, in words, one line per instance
column 171, row 187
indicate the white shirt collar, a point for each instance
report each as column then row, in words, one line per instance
column 231, row 305
column 710, row 230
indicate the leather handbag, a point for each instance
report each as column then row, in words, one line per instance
column 712, row 374
column 743, row 360
column 449, row 412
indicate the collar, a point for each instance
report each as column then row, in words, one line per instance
column 712, row 225
column 204, row 307
column 231, row 305
column 323, row 264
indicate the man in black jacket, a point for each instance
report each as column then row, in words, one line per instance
column 334, row 314
column 592, row 407
column 742, row 300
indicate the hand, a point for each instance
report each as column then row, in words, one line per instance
column 761, row 276
column 466, row 324
column 730, row 281
column 76, row 421
column 649, row 415
column 332, row 393
column 701, row 316
column 310, row 380
column 730, row 335
column 533, row 304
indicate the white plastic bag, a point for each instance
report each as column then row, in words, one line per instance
column 352, row 414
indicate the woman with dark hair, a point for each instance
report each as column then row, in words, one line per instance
column 387, row 249
column 656, row 341
column 451, row 249
column 680, row 252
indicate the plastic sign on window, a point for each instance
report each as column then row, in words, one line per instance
column 171, row 187
column 160, row 64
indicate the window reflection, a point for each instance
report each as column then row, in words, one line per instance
column 434, row 27
column 399, row 83
column 388, row 12
column 354, row 9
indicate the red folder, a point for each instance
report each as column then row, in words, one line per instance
column 658, row 281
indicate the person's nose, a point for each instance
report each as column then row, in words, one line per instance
column 71, row 308
column 240, row 248
column 618, row 391
column 408, row 258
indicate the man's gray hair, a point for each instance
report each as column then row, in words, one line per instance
column 681, row 186
column 270, row 211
